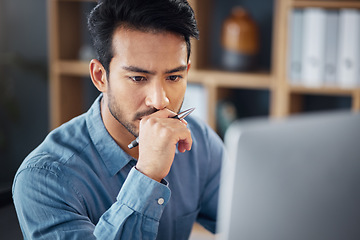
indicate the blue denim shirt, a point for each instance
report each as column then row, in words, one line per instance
column 79, row 184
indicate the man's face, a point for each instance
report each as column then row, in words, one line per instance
column 147, row 73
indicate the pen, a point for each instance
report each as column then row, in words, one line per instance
column 179, row 116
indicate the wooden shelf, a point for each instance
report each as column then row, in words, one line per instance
column 77, row 0
column 336, row 91
column 72, row 67
column 325, row 4
column 216, row 78
column 65, row 41
column 287, row 99
column 231, row 80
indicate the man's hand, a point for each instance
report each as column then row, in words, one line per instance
column 159, row 134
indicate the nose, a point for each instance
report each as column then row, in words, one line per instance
column 156, row 96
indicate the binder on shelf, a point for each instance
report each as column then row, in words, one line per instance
column 349, row 39
column 295, row 46
column 331, row 47
column 196, row 96
column 313, row 47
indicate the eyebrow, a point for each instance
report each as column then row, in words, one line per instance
column 178, row 69
column 137, row 69
column 140, row 70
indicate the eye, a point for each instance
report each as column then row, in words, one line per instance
column 138, row 78
column 174, row 78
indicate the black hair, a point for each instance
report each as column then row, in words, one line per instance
column 174, row 16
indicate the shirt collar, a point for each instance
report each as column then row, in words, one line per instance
column 113, row 156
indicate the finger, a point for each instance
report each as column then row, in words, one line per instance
column 184, row 146
column 164, row 113
column 184, row 140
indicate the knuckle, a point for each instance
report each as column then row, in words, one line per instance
column 166, row 132
column 152, row 121
column 149, row 122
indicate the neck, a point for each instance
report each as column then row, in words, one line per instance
column 117, row 131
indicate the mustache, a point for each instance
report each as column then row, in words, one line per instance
column 145, row 113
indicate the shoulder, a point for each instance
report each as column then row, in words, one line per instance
column 58, row 147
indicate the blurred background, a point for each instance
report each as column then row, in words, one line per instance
column 25, row 76
column 23, row 94
column 23, row 82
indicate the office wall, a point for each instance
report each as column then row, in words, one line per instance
column 23, row 72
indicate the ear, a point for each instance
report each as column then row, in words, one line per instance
column 188, row 66
column 98, row 75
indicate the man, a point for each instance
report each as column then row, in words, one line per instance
column 83, row 182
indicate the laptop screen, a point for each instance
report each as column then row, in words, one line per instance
column 296, row 178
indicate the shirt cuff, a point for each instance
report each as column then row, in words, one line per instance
column 144, row 195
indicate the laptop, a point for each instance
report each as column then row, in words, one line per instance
column 292, row 179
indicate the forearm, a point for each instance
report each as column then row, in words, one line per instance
column 137, row 212
column 49, row 209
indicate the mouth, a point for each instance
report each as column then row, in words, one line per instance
column 140, row 115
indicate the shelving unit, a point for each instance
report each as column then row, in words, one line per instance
column 287, row 99
column 66, row 71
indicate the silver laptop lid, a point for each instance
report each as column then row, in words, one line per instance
column 293, row 179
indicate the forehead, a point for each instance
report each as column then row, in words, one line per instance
column 134, row 43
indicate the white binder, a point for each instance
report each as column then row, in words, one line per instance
column 295, row 46
column 331, row 47
column 313, row 47
column 349, row 42
column 196, row 96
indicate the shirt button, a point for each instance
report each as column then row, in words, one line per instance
column 161, row 201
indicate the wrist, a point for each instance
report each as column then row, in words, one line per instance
column 152, row 176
